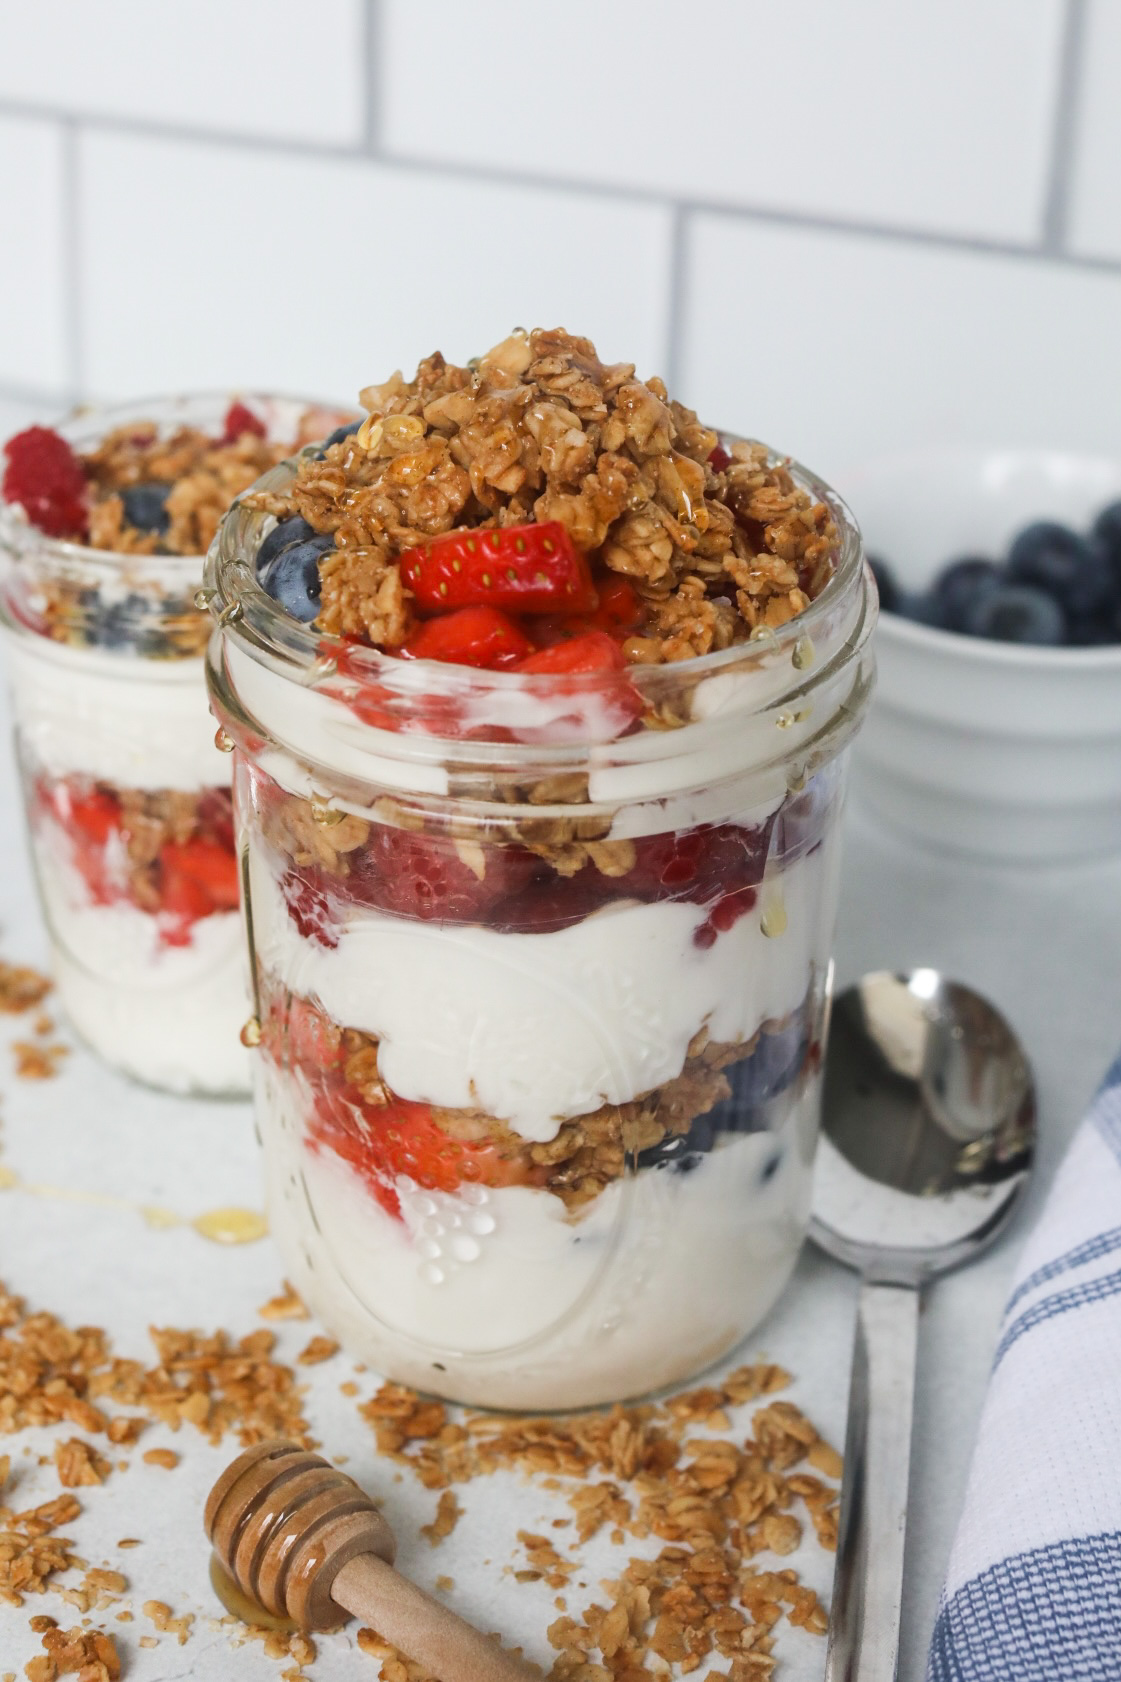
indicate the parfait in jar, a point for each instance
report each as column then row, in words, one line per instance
column 540, row 758
column 103, row 525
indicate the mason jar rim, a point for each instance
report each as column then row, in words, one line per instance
column 240, row 603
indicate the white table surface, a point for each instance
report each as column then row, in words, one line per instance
column 1043, row 944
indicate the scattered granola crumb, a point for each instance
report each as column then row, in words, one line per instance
column 165, row 1457
column 21, row 988
column 160, row 1614
column 445, row 1584
column 319, row 1349
column 90, row 1655
column 285, row 1306
column 448, row 1514
column 35, row 1061
column 129, row 1542
column 395, row 1667
column 79, row 1463
column 349, row 1388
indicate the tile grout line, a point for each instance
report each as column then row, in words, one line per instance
column 676, row 295
column 71, row 260
column 454, row 170
column 1056, row 203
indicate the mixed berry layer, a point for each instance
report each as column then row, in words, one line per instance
column 558, row 873
column 349, row 1112
column 543, row 512
column 164, row 852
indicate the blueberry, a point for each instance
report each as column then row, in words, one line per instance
column 1051, row 557
column 886, row 583
column 1017, row 613
column 146, row 507
column 295, row 530
column 960, row 583
column 292, row 577
column 924, row 608
column 342, row 432
column 1107, row 531
column 338, row 435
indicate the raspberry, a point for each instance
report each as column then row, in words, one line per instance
column 240, row 419
column 45, row 477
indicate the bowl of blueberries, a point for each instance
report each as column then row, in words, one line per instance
column 996, row 728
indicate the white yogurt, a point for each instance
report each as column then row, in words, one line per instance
column 113, row 717
column 533, row 1028
column 500, row 1299
column 168, row 1015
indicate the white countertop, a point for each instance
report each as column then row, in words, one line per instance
column 1041, row 943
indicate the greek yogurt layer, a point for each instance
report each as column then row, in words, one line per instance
column 496, row 1296
column 113, row 718
column 534, row 1028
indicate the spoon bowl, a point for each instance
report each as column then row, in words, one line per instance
column 928, row 1127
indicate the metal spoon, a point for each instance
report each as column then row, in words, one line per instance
column 928, row 1139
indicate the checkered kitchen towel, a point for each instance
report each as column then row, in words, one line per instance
column 1033, row 1592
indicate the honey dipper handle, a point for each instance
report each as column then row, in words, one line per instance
column 422, row 1628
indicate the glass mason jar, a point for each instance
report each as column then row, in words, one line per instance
column 541, row 967
column 128, row 804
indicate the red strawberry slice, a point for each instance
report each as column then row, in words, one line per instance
column 314, row 1041
column 46, row 478
column 595, row 651
column 240, row 419
column 310, row 907
column 472, row 636
column 525, row 569
column 210, row 865
column 183, row 903
column 401, row 1137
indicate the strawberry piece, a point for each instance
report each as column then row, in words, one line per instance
column 424, row 877
column 472, row 636
column 315, row 1043
column 719, row 459
column 525, row 569
column 95, row 815
column 183, row 903
column 240, row 419
column 620, row 613
column 216, row 816
column 595, row 651
column 209, row 865
column 45, row 477
column 401, row 1137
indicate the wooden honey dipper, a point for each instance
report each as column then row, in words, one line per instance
column 303, row 1541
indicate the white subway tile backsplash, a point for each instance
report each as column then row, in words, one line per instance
column 256, row 268
column 268, row 67
column 836, row 347
column 1095, row 220
column 16, row 413
column 934, row 115
column 32, row 308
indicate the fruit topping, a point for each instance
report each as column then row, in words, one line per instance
column 524, row 569
column 595, row 651
column 1016, row 613
column 146, row 507
column 45, row 477
column 240, row 420
column 471, row 636
column 292, row 575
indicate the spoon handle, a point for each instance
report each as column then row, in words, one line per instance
column 868, row 1579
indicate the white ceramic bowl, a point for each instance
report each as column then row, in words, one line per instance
column 988, row 748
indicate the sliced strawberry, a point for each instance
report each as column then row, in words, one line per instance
column 620, row 613
column 401, row 1138
column 719, row 459
column 240, row 419
column 95, row 816
column 212, row 866
column 472, row 636
column 183, row 903
column 314, row 1041
column 525, row 569
column 46, row 478
column 595, row 651
column 310, row 908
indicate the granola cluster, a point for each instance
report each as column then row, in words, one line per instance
column 715, row 540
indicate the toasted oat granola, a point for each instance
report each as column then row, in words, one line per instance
column 715, row 540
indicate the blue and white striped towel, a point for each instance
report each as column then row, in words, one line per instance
column 1033, row 1591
